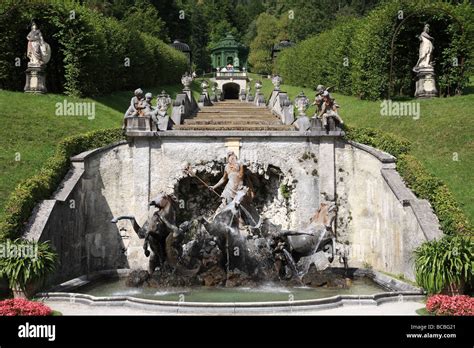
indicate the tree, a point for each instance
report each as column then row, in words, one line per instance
column 199, row 38
column 270, row 31
column 220, row 31
column 144, row 17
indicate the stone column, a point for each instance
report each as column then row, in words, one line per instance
column 141, row 198
column 141, row 177
column 327, row 169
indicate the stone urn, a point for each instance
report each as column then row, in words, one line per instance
column 204, row 86
column 276, row 80
column 186, row 80
column 163, row 101
column 258, row 87
column 301, row 103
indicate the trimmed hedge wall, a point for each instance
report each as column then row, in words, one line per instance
column 423, row 184
column 89, row 51
column 426, row 186
column 40, row 186
column 355, row 56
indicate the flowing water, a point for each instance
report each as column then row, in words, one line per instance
column 269, row 292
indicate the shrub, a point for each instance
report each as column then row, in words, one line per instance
column 450, row 305
column 444, row 263
column 40, row 186
column 387, row 142
column 423, row 184
column 21, row 269
column 426, row 186
column 20, row 306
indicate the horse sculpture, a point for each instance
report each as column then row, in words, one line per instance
column 155, row 231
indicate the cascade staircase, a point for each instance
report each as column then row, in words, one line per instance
column 234, row 115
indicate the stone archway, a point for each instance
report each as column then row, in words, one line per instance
column 231, row 90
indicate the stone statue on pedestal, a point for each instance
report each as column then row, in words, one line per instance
column 426, row 84
column 426, row 50
column 39, row 53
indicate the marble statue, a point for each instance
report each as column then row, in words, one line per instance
column 234, row 176
column 135, row 106
column 426, row 50
column 424, row 68
column 145, row 105
column 318, row 99
column 329, row 109
column 38, row 51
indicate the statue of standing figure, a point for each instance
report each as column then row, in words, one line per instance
column 234, row 175
column 426, row 50
column 38, row 51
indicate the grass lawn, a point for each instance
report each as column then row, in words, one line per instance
column 31, row 129
column 423, row 312
column 443, row 131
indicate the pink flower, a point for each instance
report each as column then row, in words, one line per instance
column 450, row 305
column 23, row 307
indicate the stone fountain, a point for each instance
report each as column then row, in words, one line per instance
column 233, row 245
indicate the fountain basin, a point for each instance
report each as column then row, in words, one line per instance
column 107, row 288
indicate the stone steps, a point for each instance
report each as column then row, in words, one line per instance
column 235, row 106
column 231, row 121
column 232, row 110
column 234, row 115
column 247, row 127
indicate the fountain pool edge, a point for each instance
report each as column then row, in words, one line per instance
column 398, row 292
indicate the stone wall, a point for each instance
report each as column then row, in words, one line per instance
column 378, row 216
column 121, row 179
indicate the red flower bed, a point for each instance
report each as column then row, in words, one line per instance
column 450, row 305
column 20, row 306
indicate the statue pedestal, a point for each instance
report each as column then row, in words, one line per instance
column 35, row 79
column 426, row 84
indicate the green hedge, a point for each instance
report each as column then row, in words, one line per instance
column 387, row 142
column 88, row 51
column 426, row 186
column 320, row 59
column 423, row 184
column 40, row 186
column 355, row 55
